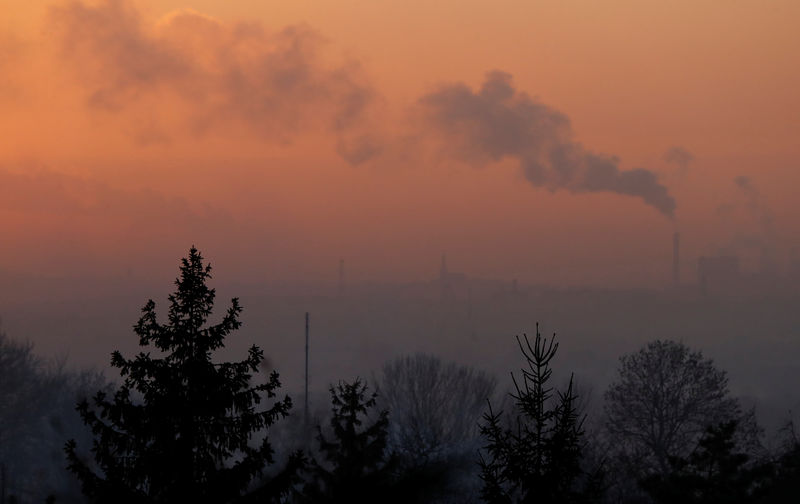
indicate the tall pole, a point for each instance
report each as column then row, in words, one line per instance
column 305, row 409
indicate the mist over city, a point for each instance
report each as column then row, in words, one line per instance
column 402, row 205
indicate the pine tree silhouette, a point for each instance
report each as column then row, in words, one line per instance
column 180, row 428
column 355, row 467
column 537, row 456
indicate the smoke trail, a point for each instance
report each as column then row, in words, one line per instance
column 498, row 121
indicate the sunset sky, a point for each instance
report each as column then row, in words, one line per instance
column 554, row 142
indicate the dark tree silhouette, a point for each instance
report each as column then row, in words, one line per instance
column 37, row 412
column 784, row 484
column 180, row 428
column 25, row 382
column 537, row 457
column 26, row 395
column 715, row 472
column 355, row 467
column 664, row 398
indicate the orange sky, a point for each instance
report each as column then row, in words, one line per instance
column 281, row 136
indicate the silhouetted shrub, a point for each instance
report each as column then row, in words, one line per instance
column 784, row 485
column 715, row 472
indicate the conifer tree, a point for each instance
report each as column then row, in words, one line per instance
column 182, row 428
column 355, row 467
column 536, row 457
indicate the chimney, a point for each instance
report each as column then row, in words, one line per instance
column 676, row 258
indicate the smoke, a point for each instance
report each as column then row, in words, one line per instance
column 753, row 221
column 498, row 121
column 755, row 203
column 215, row 77
column 680, row 157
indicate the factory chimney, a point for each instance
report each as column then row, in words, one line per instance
column 676, row 258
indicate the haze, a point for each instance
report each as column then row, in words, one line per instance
column 556, row 144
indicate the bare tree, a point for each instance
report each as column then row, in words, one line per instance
column 664, row 398
column 24, row 392
column 37, row 413
column 435, row 406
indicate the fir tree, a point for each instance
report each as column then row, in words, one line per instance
column 181, row 427
column 536, row 457
column 355, row 467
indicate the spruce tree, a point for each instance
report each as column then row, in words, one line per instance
column 355, row 467
column 182, row 428
column 537, row 456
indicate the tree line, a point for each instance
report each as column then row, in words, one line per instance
column 181, row 427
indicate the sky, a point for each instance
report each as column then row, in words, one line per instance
column 554, row 142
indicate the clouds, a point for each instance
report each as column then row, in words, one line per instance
column 497, row 122
column 210, row 77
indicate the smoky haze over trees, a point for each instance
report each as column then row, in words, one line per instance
column 554, row 153
column 182, row 425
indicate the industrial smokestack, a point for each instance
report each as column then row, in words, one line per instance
column 676, row 258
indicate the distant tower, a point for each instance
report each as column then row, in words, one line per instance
column 676, row 258
column 341, row 277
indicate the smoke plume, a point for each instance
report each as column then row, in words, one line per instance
column 216, row 77
column 497, row 122
column 753, row 222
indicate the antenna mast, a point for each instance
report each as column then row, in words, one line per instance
column 305, row 408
